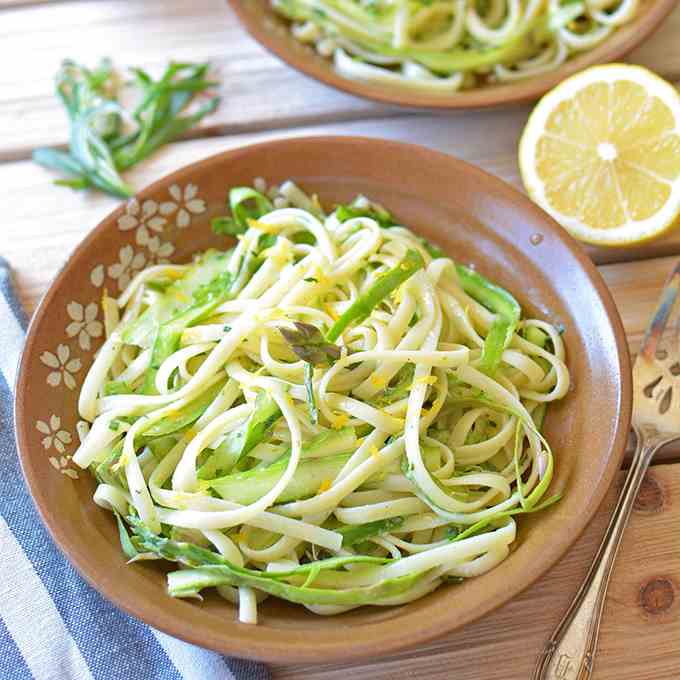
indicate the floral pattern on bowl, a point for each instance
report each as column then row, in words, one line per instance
column 147, row 222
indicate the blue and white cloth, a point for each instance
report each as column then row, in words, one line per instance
column 53, row 626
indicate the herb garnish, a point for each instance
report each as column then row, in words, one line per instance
column 107, row 139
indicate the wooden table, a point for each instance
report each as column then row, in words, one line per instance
column 262, row 99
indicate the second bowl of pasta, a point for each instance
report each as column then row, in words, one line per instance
column 449, row 53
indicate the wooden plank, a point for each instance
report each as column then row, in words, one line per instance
column 258, row 90
column 20, row 3
column 640, row 629
column 636, row 287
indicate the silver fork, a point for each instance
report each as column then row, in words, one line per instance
column 569, row 653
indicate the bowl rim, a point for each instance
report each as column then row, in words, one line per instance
column 518, row 92
column 241, row 641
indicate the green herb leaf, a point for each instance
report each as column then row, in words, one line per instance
column 125, row 542
column 158, row 115
column 99, row 148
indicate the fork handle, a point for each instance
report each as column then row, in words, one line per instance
column 569, row 653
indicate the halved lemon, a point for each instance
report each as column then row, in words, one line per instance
column 601, row 154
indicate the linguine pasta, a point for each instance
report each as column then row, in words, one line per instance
column 332, row 412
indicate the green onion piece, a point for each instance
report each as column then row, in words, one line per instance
column 210, row 569
column 362, row 307
column 125, row 542
column 188, row 415
column 483, row 523
column 205, row 299
column 375, row 212
column 499, row 301
column 355, row 533
column 539, row 415
column 245, row 204
column 246, row 487
column 116, row 387
column 244, row 439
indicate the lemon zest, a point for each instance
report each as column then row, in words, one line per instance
column 427, row 380
column 340, row 421
column 317, row 203
column 331, row 312
column 324, row 486
column 377, row 381
column 261, row 226
column 321, row 278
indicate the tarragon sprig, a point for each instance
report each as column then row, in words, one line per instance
column 105, row 138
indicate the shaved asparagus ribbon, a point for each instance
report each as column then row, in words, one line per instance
column 442, row 46
column 333, row 412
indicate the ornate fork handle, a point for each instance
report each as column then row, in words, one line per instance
column 568, row 655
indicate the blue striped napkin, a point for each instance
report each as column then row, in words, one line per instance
column 53, row 626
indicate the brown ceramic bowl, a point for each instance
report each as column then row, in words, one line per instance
column 271, row 31
column 473, row 216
